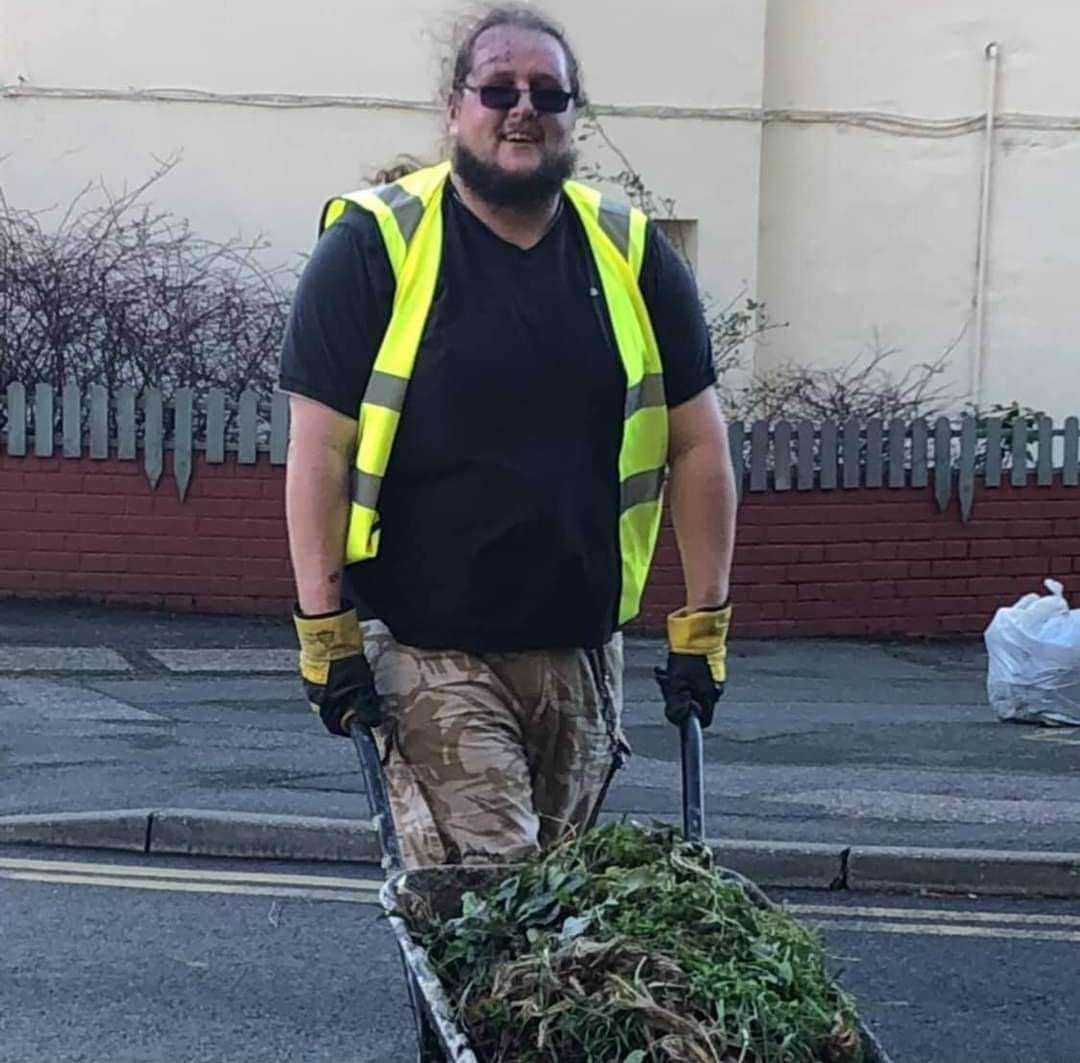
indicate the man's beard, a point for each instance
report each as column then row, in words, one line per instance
column 522, row 191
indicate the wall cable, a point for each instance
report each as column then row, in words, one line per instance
column 875, row 121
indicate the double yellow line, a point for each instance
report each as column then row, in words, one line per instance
column 941, row 922
column 188, row 880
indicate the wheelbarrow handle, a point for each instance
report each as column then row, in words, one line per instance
column 371, row 768
column 693, row 778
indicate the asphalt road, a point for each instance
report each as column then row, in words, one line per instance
column 117, row 959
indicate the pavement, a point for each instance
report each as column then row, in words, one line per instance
column 842, row 763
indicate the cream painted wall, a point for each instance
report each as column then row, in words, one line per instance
column 864, row 230
column 688, row 52
column 332, row 46
column 922, row 57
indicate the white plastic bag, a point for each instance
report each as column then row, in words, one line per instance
column 1034, row 649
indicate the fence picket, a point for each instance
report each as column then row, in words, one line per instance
column 943, row 470
column 875, row 443
column 992, row 471
column 920, row 435
column 153, row 436
column 968, row 440
column 852, row 438
column 183, row 426
column 99, row 422
column 44, row 420
column 805, row 432
column 759, row 456
column 215, row 427
column 279, row 428
column 897, row 445
column 72, row 420
column 248, row 418
column 125, row 423
column 1019, row 452
column 16, row 419
column 1044, row 470
column 827, row 455
column 736, row 435
column 782, row 456
column 1070, row 466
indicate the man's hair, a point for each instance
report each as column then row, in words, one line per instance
column 522, row 16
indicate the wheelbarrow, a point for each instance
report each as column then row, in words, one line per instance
column 439, row 890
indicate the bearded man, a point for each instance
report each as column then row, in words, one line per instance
column 492, row 370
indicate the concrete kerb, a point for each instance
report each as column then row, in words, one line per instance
column 798, row 865
column 126, row 829
column 200, row 832
column 206, row 832
column 989, row 871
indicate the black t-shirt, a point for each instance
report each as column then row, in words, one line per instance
column 499, row 509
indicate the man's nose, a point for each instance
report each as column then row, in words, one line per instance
column 524, row 105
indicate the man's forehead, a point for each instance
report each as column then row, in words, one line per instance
column 511, row 45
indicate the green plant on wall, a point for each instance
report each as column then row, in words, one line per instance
column 1010, row 413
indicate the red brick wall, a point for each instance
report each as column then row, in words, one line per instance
column 96, row 530
column 863, row 562
column 883, row 562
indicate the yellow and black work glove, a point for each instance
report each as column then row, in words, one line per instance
column 697, row 663
column 336, row 674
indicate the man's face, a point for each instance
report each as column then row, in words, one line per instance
column 519, row 153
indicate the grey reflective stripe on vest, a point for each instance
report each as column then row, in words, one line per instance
column 387, row 390
column 615, row 221
column 641, row 487
column 365, row 488
column 649, row 391
column 408, row 209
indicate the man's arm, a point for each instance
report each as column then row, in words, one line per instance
column 703, row 498
column 321, row 447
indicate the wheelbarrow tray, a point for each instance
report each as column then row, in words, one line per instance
column 438, row 891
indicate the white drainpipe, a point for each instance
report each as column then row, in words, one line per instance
column 993, row 54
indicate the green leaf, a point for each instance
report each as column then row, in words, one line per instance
column 575, row 926
column 638, row 879
column 637, row 1056
column 541, row 910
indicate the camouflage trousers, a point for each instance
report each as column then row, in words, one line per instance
column 493, row 757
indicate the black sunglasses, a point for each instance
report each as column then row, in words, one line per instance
column 505, row 97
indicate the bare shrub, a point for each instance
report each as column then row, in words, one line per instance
column 862, row 388
column 118, row 292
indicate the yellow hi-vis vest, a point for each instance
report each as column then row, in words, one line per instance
column 409, row 215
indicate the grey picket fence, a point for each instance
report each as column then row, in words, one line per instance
column 126, row 424
column 949, row 455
